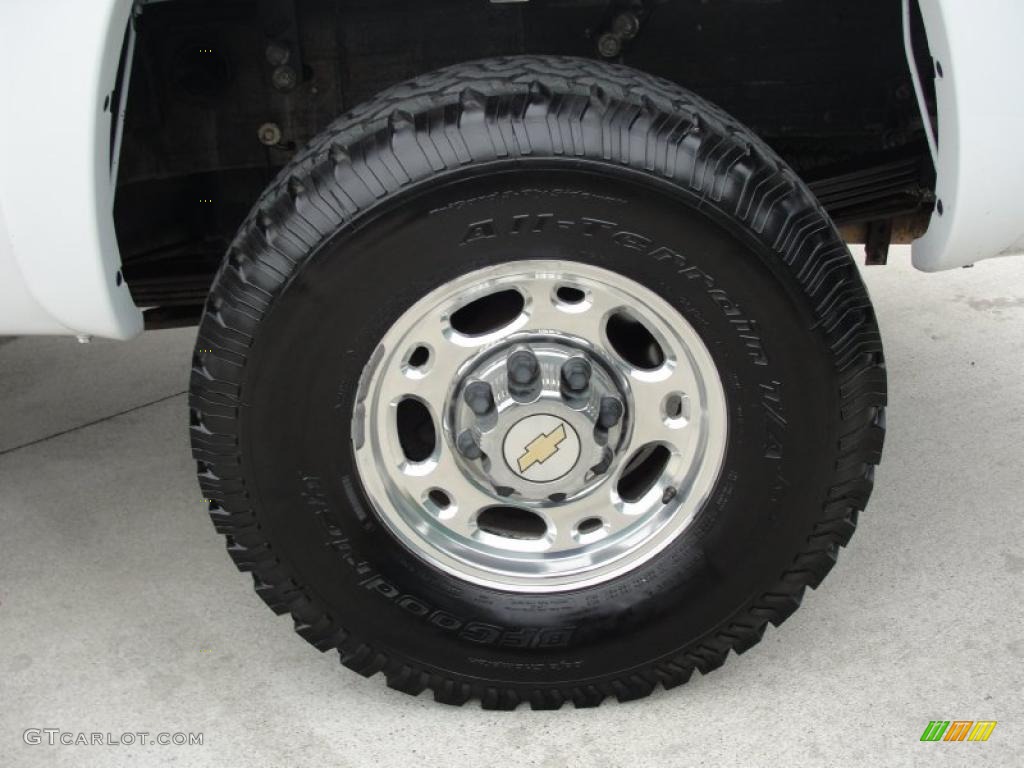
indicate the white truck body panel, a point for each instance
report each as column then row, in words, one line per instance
column 59, row 258
column 980, row 163
column 19, row 310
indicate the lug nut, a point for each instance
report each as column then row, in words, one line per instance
column 609, row 45
column 284, row 78
column 606, row 461
column 626, row 25
column 523, row 374
column 610, row 412
column 523, row 367
column 269, row 134
column 467, row 445
column 479, row 398
column 576, row 373
column 277, row 54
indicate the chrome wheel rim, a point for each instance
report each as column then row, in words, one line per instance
column 579, row 425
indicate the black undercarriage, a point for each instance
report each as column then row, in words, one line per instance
column 224, row 92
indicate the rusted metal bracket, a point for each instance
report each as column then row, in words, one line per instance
column 876, row 242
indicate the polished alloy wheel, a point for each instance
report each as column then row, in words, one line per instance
column 539, row 426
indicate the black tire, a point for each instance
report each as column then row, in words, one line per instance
column 376, row 212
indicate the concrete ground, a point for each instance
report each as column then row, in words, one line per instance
column 121, row 612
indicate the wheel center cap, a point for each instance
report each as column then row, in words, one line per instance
column 541, row 448
column 538, row 420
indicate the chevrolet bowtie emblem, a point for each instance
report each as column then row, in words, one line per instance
column 542, row 448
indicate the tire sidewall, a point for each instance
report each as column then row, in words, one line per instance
column 303, row 370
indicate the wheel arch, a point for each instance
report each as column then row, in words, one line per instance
column 207, row 124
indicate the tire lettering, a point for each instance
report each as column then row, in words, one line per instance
column 632, row 241
column 473, row 631
column 774, row 421
column 481, row 230
column 745, row 328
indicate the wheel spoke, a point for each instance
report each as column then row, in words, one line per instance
column 465, row 498
column 433, row 383
column 563, row 538
column 653, row 420
column 584, row 320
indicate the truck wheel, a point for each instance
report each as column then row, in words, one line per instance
column 536, row 379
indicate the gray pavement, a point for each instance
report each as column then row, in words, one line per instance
column 120, row 611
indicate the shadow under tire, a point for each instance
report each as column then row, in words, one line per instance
column 440, row 176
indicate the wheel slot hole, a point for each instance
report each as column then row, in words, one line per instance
column 489, row 313
column 677, row 410
column 419, row 357
column 511, row 523
column 590, row 525
column 416, row 432
column 642, row 471
column 567, row 294
column 634, row 343
column 439, row 499
column 674, row 406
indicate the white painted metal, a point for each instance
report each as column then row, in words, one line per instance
column 980, row 169
column 59, row 257
column 19, row 311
